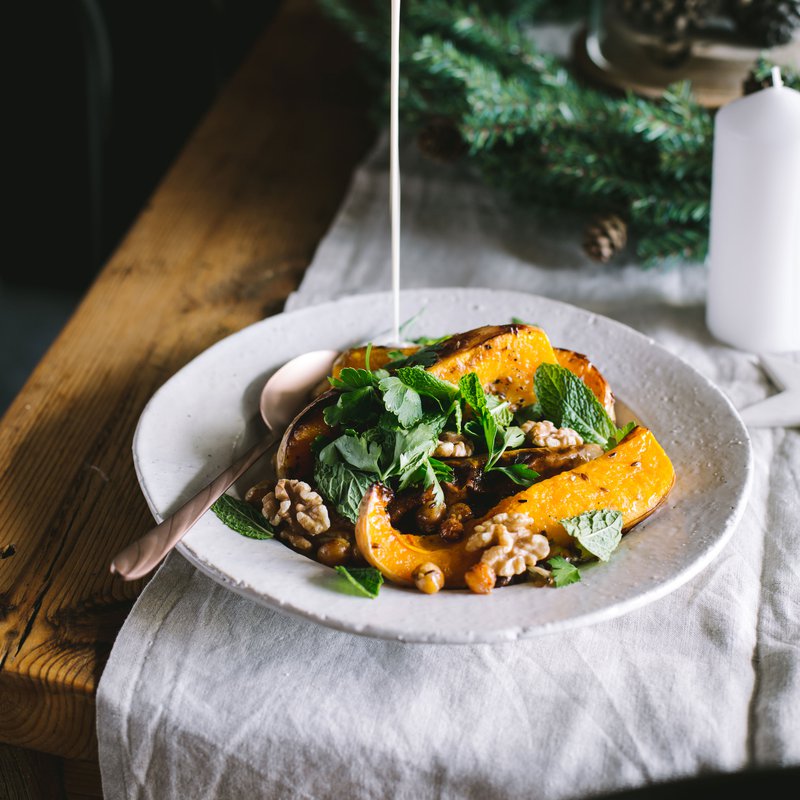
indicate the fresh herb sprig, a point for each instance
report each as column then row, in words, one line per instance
column 492, row 424
column 388, row 425
column 242, row 518
column 366, row 581
column 597, row 535
column 564, row 399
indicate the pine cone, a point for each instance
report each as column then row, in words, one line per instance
column 669, row 17
column 768, row 23
column 605, row 236
column 441, row 140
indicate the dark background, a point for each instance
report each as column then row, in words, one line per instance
column 100, row 97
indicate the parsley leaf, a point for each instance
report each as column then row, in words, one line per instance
column 410, row 449
column 444, row 472
column 597, row 532
column 242, row 518
column 402, row 401
column 358, row 451
column 365, row 580
column 568, row 402
column 563, row 572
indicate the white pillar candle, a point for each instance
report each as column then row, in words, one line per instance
column 754, row 249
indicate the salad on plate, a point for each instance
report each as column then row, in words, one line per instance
column 474, row 461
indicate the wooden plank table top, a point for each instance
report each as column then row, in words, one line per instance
column 225, row 238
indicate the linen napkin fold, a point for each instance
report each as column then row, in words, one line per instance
column 208, row 695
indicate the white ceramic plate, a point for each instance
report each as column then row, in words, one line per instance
column 207, row 413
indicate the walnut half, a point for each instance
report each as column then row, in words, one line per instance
column 545, row 434
column 453, row 445
column 296, row 507
column 511, row 545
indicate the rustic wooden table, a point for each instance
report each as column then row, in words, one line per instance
column 222, row 242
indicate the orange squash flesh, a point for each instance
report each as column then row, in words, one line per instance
column 504, row 357
column 398, row 554
column 633, row 478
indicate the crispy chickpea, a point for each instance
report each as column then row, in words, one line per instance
column 480, row 578
column 334, row 552
column 428, row 578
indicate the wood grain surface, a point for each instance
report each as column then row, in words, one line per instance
column 224, row 239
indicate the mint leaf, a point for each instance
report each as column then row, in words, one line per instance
column 568, row 402
column 402, row 401
column 521, row 474
column 343, row 486
column 620, row 434
column 242, row 518
column 562, row 572
column 365, row 580
column 424, row 383
column 597, row 532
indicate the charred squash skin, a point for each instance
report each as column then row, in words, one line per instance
column 295, row 458
column 633, row 478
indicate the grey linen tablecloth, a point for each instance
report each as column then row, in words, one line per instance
column 208, row 695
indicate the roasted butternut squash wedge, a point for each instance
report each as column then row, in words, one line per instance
column 634, row 478
column 577, row 363
column 398, row 554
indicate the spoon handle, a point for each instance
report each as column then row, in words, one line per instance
column 138, row 558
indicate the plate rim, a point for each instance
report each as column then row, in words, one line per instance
column 509, row 634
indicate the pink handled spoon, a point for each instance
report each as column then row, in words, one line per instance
column 282, row 396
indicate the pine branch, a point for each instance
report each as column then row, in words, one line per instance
column 535, row 131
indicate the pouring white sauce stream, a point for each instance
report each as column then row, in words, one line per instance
column 394, row 166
